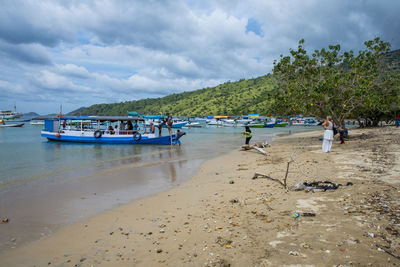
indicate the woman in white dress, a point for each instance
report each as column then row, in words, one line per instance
column 328, row 134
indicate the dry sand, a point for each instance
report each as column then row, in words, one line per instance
column 223, row 217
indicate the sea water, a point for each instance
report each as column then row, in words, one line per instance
column 45, row 185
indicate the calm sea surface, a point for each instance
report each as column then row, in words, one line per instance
column 26, row 156
column 45, row 185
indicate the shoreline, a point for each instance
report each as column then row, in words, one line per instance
column 44, row 207
column 223, row 216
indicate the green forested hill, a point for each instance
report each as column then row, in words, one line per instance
column 230, row 98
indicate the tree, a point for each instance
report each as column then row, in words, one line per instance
column 329, row 82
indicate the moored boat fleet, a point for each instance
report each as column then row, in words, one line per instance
column 257, row 121
column 135, row 129
column 141, row 129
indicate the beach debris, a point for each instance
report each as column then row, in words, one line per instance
column 284, row 183
column 308, row 214
column 262, row 144
column 248, row 147
column 159, row 250
column 5, row 220
column 371, row 234
column 316, row 186
column 224, row 242
column 231, row 182
column 294, row 253
column 388, row 251
column 304, row 214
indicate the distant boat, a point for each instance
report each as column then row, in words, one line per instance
column 9, row 114
column 36, row 122
column 193, row 124
column 281, row 124
column 11, row 125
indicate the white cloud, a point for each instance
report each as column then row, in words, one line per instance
column 87, row 52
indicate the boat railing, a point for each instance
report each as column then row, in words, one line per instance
column 103, row 131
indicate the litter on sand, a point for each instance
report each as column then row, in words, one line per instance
column 318, row 186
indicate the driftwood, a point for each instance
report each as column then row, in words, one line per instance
column 248, row 147
column 388, row 251
column 284, row 183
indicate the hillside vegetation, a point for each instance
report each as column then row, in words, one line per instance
column 230, row 98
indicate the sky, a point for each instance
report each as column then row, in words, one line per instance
column 77, row 53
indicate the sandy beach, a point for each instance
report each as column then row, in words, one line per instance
column 223, row 217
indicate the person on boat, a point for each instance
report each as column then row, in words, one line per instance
column 129, row 127
column 111, row 130
column 152, row 128
column 122, row 128
column 136, row 126
column 328, row 134
column 169, row 123
column 248, row 134
column 160, row 126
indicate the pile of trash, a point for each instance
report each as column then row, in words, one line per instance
column 317, row 186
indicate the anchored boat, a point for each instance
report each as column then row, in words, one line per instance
column 104, row 130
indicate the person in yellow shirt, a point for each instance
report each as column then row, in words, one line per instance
column 248, row 134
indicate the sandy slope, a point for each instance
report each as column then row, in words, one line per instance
column 223, row 217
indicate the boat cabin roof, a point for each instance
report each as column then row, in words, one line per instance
column 92, row 118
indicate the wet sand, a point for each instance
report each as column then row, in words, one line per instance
column 46, row 205
column 223, row 217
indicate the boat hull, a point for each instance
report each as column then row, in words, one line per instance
column 256, row 125
column 127, row 139
column 11, row 125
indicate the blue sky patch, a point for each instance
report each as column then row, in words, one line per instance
column 254, row 26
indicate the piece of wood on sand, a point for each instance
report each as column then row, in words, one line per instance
column 248, row 147
column 283, row 183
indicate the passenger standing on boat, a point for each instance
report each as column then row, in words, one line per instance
column 248, row 134
column 160, row 126
column 136, row 126
column 129, row 127
column 169, row 123
column 328, row 134
column 111, row 130
column 152, row 128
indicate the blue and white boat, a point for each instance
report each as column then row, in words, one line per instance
column 104, row 130
column 157, row 119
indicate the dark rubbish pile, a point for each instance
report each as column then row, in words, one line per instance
column 317, row 186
